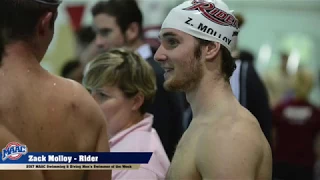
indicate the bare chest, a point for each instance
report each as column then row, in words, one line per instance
column 183, row 165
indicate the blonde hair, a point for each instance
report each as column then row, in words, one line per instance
column 124, row 69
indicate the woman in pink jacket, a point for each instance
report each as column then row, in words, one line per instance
column 124, row 85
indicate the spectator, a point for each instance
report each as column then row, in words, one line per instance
column 73, row 70
column 85, row 48
column 249, row 88
column 124, row 85
column 296, row 126
column 118, row 23
column 246, row 56
column 279, row 82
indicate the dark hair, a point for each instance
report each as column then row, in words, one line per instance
column 85, row 35
column 125, row 12
column 227, row 61
column 241, row 19
column 1, row 46
column 69, row 67
column 246, row 56
column 22, row 16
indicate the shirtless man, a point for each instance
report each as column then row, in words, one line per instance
column 45, row 112
column 224, row 141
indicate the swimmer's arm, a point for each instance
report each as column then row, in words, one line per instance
column 6, row 137
column 102, row 146
column 91, row 112
column 22, row 174
column 227, row 156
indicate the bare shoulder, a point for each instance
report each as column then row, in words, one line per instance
column 234, row 143
column 81, row 111
column 80, row 100
column 89, row 111
column 239, row 128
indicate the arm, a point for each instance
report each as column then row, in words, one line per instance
column 6, row 137
column 92, row 113
column 228, row 155
column 102, row 144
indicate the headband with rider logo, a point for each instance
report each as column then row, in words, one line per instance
column 205, row 19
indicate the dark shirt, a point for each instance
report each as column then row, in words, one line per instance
column 297, row 124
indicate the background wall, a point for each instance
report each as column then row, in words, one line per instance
column 272, row 26
column 281, row 26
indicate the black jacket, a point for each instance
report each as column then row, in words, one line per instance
column 254, row 96
column 167, row 111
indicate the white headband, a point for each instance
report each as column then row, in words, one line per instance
column 205, row 19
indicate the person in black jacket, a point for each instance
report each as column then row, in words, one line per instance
column 249, row 88
column 118, row 23
column 254, row 96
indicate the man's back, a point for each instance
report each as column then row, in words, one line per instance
column 49, row 114
column 225, row 145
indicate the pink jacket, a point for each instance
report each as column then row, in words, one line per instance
column 141, row 137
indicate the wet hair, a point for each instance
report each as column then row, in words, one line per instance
column 22, row 16
column 228, row 64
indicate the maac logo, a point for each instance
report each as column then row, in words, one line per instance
column 214, row 14
column 14, row 151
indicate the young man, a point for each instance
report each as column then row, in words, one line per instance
column 224, row 140
column 118, row 23
column 45, row 112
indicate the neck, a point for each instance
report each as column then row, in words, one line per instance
column 136, row 44
column 21, row 53
column 134, row 119
column 210, row 95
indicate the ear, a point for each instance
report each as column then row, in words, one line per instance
column 45, row 24
column 138, row 100
column 132, row 32
column 212, row 51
